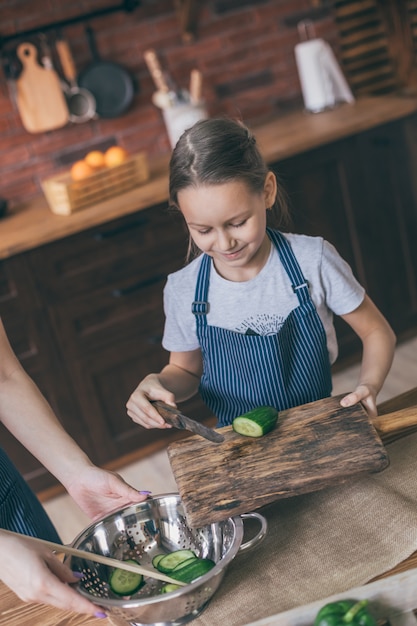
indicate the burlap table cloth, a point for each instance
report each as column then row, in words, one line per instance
column 323, row 543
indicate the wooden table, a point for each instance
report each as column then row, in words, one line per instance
column 14, row 612
column 409, row 398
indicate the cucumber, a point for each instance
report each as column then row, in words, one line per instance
column 124, row 583
column 184, row 563
column 171, row 560
column 170, row 587
column 156, row 559
column 192, row 571
column 257, row 422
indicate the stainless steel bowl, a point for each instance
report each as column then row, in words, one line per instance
column 143, row 530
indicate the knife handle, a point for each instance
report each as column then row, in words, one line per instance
column 168, row 413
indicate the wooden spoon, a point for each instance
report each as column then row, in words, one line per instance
column 97, row 558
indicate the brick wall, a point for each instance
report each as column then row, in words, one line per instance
column 243, row 48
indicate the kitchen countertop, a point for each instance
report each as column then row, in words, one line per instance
column 33, row 224
column 14, row 612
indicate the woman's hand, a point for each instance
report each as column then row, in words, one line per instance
column 141, row 411
column 35, row 574
column 99, row 492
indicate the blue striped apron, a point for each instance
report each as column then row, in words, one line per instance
column 20, row 509
column 242, row 372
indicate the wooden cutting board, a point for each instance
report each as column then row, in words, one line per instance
column 40, row 100
column 313, row 446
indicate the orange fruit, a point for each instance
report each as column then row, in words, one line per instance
column 80, row 170
column 115, row 156
column 95, row 159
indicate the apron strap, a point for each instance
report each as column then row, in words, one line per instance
column 298, row 282
column 200, row 306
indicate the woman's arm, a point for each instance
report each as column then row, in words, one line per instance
column 28, row 416
column 178, row 381
column 378, row 341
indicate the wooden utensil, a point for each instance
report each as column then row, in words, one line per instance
column 196, row 86
column 313, row 446
column 97, row 558
column 163, row 97
column 39, row 96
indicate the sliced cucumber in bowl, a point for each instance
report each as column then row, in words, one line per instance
column 169, row 561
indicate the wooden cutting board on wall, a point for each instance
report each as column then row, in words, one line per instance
column 313, row 446
column 40, row 100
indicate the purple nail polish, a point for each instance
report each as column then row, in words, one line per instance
column 100, row 615
column 78, row 575
column 145, row 493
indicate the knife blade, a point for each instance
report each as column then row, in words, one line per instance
column 179, row 420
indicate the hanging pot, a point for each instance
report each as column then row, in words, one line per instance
column 110, row 83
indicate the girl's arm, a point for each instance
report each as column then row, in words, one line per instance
column 378, row 341
column 178, row 381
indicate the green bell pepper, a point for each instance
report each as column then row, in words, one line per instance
column 343, row 613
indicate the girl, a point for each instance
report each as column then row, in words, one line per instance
column 249, row 320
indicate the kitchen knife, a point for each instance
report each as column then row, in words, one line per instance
column 178, row 420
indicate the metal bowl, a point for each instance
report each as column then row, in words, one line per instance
column 143, row 530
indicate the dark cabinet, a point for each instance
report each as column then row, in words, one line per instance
column 30, row 335
column 358, row 194
column 85, row 316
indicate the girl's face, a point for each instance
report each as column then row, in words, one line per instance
column 228, row 222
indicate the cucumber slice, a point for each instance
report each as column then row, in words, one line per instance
column 156, row 559
column 193, row 570
column 257, row 422
column 171, row 560
column 124, row 583
column 184, row 563
column 170, row 587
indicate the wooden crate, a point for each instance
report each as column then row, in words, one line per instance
column 65, row 196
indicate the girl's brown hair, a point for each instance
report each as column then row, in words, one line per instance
column 217, row 151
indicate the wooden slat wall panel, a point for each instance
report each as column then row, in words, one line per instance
column 364, row 47
column 378, row 45
column 412, row 12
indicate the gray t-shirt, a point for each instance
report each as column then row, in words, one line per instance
column 260, row 305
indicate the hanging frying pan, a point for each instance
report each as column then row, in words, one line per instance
column 81, row 103
column 110, row 84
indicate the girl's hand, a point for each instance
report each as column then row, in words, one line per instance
column 99, row 492
column 35, row 574
column 366, row 394
column 141, row 411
